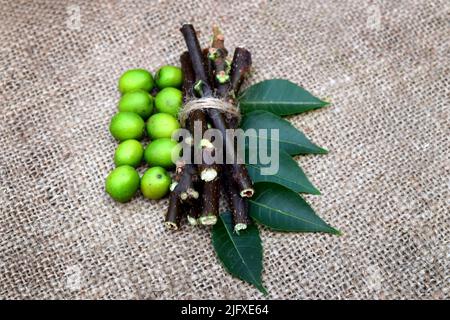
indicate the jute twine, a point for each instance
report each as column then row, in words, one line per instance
column 208, row 103
column 384, row 183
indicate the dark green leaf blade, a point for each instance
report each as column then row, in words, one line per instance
column 282, row 209
column 279, row 96
column 240, row 254
column 290, row 139
column 289, row 175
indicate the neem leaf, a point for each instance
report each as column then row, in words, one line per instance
column 290, row 139
column 289, row 175
column 278, row 96
column 282, row 209
column 240, row 254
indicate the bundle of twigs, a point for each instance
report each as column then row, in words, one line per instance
column 209, row 73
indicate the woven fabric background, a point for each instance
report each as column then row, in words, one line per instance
column 385, row 66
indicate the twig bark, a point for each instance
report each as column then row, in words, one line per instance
column 210, row 202
column 196, row 122
column 192, row 211
column 239, row 70
column 237, row 204
column 195, row 53
column 173, row 216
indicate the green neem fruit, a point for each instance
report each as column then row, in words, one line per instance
column 126, row 125
column 155, row 183
column 140, row 102
column 159, row 152
column 162, row 125
column 122, row 183
column 169, row 76
column 129, row 152
column 169, row 100
column 136, row 79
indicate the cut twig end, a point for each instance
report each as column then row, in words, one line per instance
column 171, row 225
column 247, row 193
column 173, row 186
column 208, row 174
column 191, row 220
column 239, row 227
column 208, row 220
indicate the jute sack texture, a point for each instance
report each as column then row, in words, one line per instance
column 385, row 183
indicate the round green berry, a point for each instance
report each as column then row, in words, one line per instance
column 155, row 183
column 130, row 152
column 161, row 151
column 122, row 183
column 136, row 79
column 169, row 76
column 139, row 101
column 169, row 100
column 126, row 125
column 162, row 125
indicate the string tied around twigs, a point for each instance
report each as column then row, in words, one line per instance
column 209, row 103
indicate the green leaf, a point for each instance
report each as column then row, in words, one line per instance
column 278, row 96
column 240, row 254
column 290, row 139
column 289, row 175
column 282, row 209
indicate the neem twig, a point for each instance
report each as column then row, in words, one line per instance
column 192, row 211
column 186, row 174
column 173, row 216
column 187, row 178
column 218, row 55
column 210, row 202
column 195, row 53
column 239, row 67
column 238, row 205
column 197, row 117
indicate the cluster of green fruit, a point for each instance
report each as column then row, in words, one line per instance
column 138, row 112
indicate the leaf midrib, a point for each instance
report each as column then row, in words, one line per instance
column 240, row 256
column 284, row 213
column 281, row 178
column 261, row 102
column 285, row 141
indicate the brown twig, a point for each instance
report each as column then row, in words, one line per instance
column 237, row 204
column 173, row 216
column 192, row 211
column 196, row 122
column 239, row 70
column 195, row 54
column 210, row 202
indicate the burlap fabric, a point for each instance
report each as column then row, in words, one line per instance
column 385, row 183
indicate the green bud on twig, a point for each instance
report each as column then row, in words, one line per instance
column 222, row 77
column 198, row 87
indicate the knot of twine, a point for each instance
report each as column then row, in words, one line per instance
column 208, row 103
